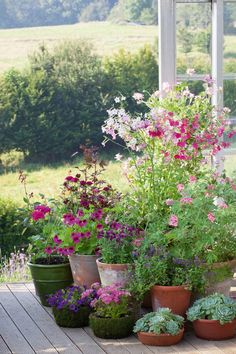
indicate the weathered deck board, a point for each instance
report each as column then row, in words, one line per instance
column 26, row 327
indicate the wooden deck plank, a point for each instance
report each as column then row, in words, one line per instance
column 55, row 334
column 83, row 341
column 23, row 321
column 202, row 346
column 108, row 345
column 12, row 336
column 4, row 349
column 134, row 346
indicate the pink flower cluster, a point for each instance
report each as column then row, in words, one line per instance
column 39, row 212
column 110, row 294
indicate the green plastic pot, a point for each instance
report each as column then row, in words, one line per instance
column 67, row 318
column 112, row 328
column 50, row 278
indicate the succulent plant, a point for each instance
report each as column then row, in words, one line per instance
column 213, row 307
column 161, row 321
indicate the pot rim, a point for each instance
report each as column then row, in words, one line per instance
column 204, row 320
column 150, row 334
column 82, row 255
column 113, row 264
column 171, row 287
column 47, row 265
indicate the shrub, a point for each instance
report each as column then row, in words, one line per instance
column 12, row 227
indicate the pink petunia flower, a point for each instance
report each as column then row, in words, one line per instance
column 173, row 221
column 180, row 187
column 169, row 202
column 211, row 217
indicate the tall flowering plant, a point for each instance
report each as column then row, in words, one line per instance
column 167, row 144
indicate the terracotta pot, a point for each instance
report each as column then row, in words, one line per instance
column 177, row 298
column 113, row 273
column 84, row 269
column 160, row 339
column 213, row 330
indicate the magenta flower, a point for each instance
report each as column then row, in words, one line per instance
column 57, row 240
column 36, row 215
column 180, row 187
column 173, row 221
column 99, row 226
column 211, row 217
column 192, row 179
column 71, row 179
column 80, row 213
column 186, row 200
column 48, row 250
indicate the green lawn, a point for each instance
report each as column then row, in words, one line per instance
column 48, row 180
column 17, row 44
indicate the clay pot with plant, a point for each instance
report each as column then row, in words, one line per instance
column 213, row 317
column 160, row 328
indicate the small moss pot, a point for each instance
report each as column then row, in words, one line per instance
column 110, row 328
column 164, row 339
column 213, row 330
column 68, row 318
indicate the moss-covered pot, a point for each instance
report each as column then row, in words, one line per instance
column 68, row 318
column 50, row 278
column 109, row 328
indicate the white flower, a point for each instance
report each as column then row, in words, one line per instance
column 166, row 87
column 117, row 99
column 190, row 71
column 138, row 96
column 118, row 157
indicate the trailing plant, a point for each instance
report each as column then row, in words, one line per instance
column 213, row 307
column 162, row 321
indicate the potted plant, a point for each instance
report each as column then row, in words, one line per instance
column 170, row 279
column 160, row 328
column 87, row 200
column 117, row 243
column 50, row 270
column 213, row 317
column 113, row 316
column 71, row 306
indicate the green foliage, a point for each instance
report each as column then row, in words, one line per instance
column 213, row 307
column 57, row 105
column 185, row 37
column 127, row 73
column 163, row 321
column 12, row 229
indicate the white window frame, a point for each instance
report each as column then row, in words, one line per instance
column 167, row 51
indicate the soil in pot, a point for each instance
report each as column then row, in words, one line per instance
column 213, row 330
column 110, row 328
column 84, row 269
column 113, row 273
column 50, row 278
column 177, row 298
column 68, row 318
column 160, row 339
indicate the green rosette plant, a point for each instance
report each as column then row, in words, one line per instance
column 213, row 307
column 162, row 321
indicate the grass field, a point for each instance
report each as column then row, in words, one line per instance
column 48, row 180
column 17, row 44
column 107, row 38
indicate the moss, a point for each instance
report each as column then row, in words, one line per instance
column 110, row 328
column 68, row 318
column 221, row 274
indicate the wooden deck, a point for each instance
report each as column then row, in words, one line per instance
column 26, row 327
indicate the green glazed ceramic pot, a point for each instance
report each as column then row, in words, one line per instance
column 50, row 278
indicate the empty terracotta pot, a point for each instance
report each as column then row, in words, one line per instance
column 113, row 273
column 177, row 298
column 160, row 339
column 84, row 269
column 213, row 330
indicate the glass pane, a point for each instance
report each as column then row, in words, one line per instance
column 230, row 37
column 230, row 96
column 193, row 26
